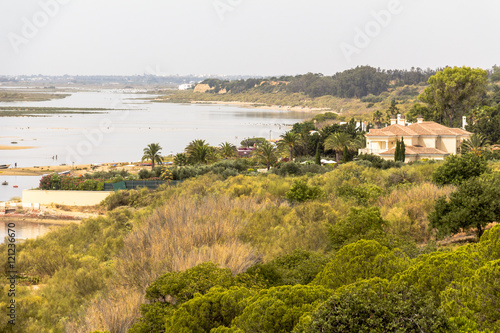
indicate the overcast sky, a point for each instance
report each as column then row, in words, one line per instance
column 249, row 37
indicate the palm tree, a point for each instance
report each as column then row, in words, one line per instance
column 337, row 141
column 152, row 153
column 227, row 150
column 266, row 153
column 359, row 141
column 288, row 140
column 180, row 159
column 199, row 151
column 377, row 118
column 475, row 144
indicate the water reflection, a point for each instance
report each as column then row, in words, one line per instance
column 25, row 230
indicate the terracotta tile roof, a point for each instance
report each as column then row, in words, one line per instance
column 393, row 130
column 413, row 150
column 424, row 128
column 432, row 128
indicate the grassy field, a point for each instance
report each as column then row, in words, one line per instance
column 16, row 96
column 8, row 111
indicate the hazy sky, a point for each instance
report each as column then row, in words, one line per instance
column 253, row 37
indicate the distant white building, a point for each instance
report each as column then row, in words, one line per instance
column 185, row 86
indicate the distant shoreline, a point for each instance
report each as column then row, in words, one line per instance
column 255, row 105
column 16, row 147
column 79, row 169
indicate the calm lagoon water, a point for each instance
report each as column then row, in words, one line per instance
column 25, row 230
column 120, row 135
column 7, row 192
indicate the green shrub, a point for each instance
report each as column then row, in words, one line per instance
column 456, row 169
column 145, row 174
column 378, row 162
column 132, row 198
column 289, row 168
column 299, row 267
column 363, row 194
column 178, row 287
column 300, row 192
column 360, row 223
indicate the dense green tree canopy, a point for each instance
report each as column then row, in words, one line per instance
column 476, row 298
column 278, row 309
column 364, row 259
column 204, row 312
column 453, row 92
column 360, row 223
column 178, row 287
column 458, row 168
column 433, row 272
column 486, row 122
column 376, row 306
column 474, row 204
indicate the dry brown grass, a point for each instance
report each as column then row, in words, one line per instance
column 115, row 313
column 177, row 236
column 406, row 209
column 185, row 229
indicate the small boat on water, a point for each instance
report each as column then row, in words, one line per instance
column 4, row 166
column 5, row 183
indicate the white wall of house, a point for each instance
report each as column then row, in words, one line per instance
column 448, row 144
column 411, row 141
column 428, row 141
column 69, row 198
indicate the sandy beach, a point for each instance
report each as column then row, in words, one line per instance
column 76, row 170
column 16, row 147
column 266, row 107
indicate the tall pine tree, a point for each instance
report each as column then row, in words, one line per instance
column 399, row 153
column 402, row 151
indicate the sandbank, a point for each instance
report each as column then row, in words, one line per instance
column 267, row 107
column 16, row 147
column 80, row 169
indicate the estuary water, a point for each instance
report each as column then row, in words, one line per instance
column 24, row 230
column 120, row 135
column 15, row 186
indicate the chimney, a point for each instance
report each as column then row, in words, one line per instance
column 420, row 119
column 402, row 120
column 398, row 121
column 464, row 122
column 393, row 120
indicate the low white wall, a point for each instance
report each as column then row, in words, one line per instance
column 68, row 198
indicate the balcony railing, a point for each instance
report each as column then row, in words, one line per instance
column 371, row 151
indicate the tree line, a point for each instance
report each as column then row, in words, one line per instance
column 356, row 82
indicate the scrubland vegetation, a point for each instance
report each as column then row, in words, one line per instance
column 366, row 246
column 350, row 248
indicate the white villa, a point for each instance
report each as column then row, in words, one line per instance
column 423, row 140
